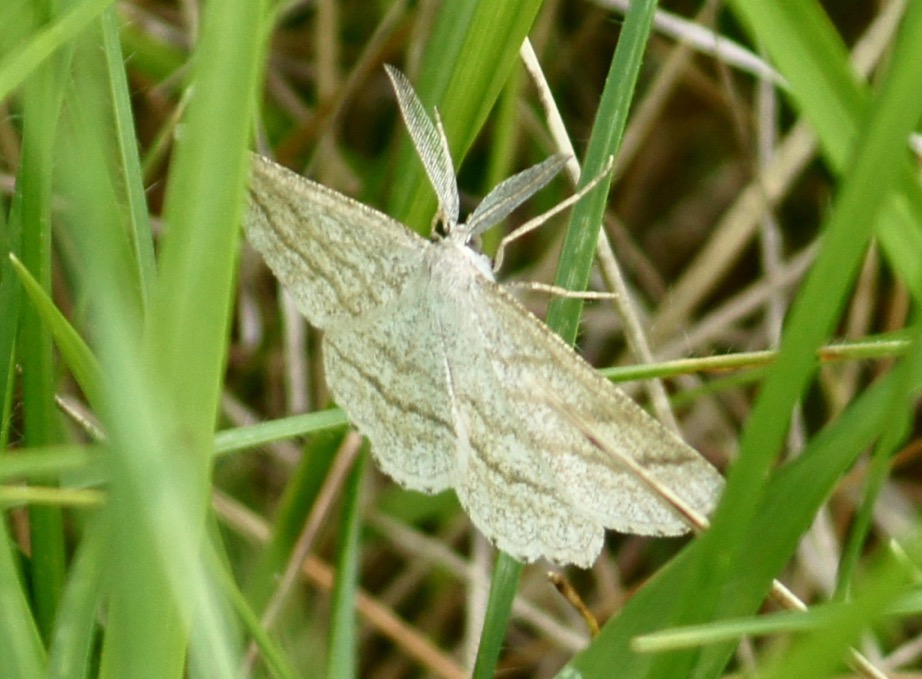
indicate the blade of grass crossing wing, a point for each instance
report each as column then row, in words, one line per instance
column 604, row 142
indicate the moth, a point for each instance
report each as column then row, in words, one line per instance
column 442, row 369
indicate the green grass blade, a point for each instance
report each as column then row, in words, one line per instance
column 186, row 345
column 294, row 507
column 76, row 353
column 138, row 224
column 75, row 628
column 40, row 464
column 10, row 299
column 342, row 660
column 20, row 64
column 160, row 440
column 501, row 162
column 878, row 162
column 732, row 630
column 203, row 208
column 20, row 643
column 41, row 106
column 272, row 655
column 250, row 436
column 503, row 586
column 133, row 420
column 883, row 590
column 576, row 260
column 607, row 130
column 765, row 549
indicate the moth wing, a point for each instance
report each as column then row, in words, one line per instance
column 525, row 359
column 336, row 257
column 396, row 370
column 518, row 507
column 505, row 479
column 388, row 372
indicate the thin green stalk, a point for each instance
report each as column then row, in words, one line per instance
column 41, row 107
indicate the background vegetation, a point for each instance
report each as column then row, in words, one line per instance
column 180, row 498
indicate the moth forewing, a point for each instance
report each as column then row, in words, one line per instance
column 337, row 257
column 685, row 511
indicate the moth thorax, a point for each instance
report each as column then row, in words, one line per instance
column 479, row 260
